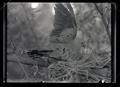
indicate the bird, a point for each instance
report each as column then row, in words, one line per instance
column 65, row 26
column 65, row 29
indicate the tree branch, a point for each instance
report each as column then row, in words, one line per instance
column 26, row 61
column 103, row 19
column 17, row 59
column 30, row 61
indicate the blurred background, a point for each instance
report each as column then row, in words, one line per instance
column 89, row 57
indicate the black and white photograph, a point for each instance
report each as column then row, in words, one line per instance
column 58, row 42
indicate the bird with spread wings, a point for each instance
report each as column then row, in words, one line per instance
column 65, row 27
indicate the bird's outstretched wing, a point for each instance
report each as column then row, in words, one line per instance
column 72, row 12
column 64, row 24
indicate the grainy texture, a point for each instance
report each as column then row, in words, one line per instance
column 86, row 59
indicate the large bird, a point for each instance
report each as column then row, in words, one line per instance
column 65, row 27
column 65, row 30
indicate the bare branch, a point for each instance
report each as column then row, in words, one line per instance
column 13, row 44
column 26, row 61
column 29, row 61
column 103, row 19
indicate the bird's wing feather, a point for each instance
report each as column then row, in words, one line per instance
column 72, row 12
column 63, row 17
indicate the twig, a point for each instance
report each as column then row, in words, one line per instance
column 19, row 60
column 29, row 61
column 103, row 19
column 57, row 58
column 25, row 61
